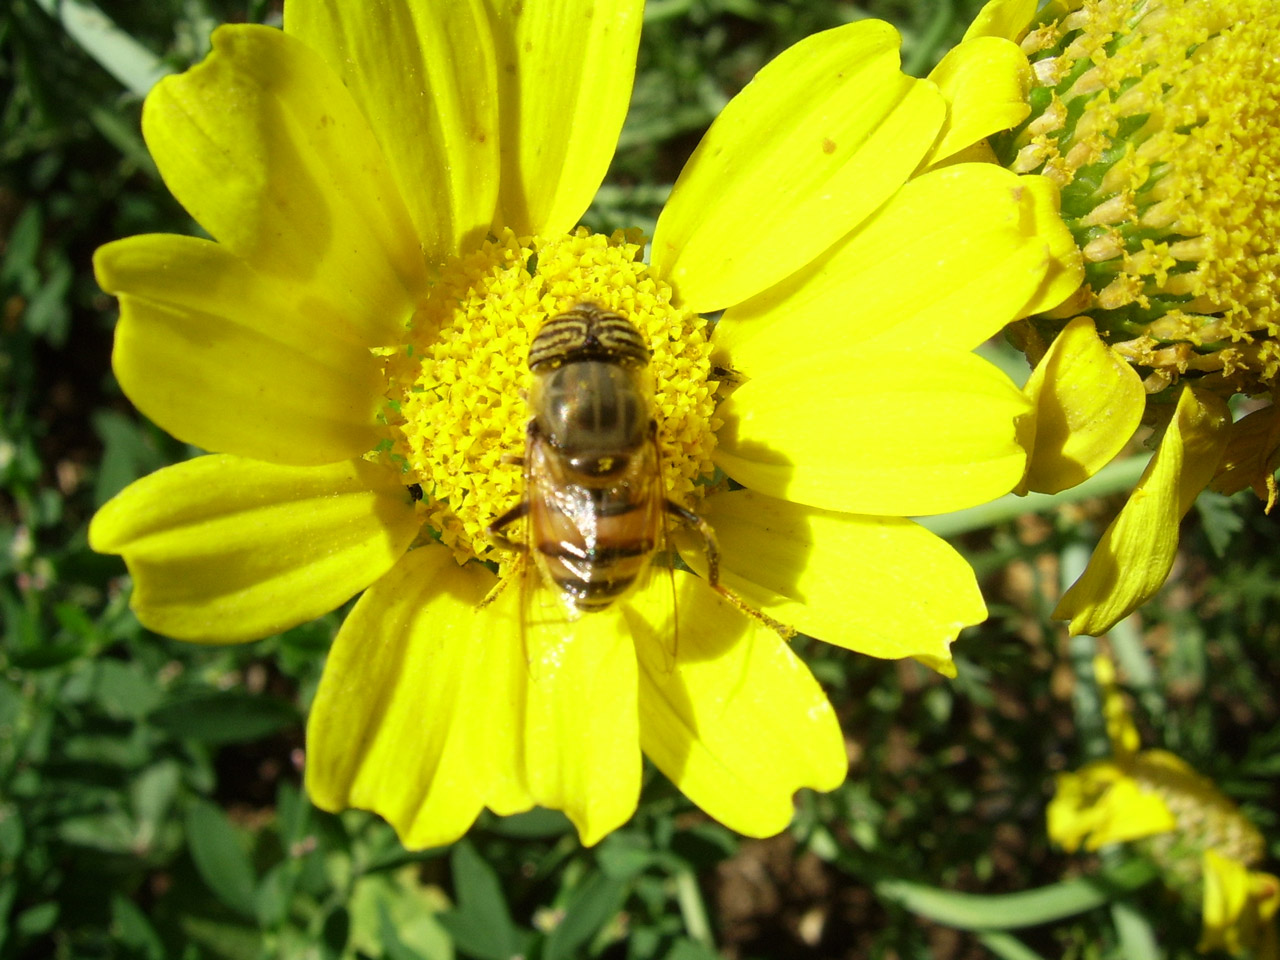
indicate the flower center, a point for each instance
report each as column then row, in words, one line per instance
column 1206, row 820
column 1156, row 117
column 456, row 388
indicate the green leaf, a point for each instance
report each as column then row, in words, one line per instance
column 223, row 717
column 1007, row 947
column 12, row 834
column 112, row 832
column 623, row 855
column 421, row 938
column 131, row 928
column 220, row 858
column 1013, row 911
column 1219, row 519
column 686, row 949
column 8, row 893
column 536, row 823
column 126, row 454
column 37, row 920
column 335, row 932
column 18, row 268
column 1137, row 938
column 481, row 924
column 125, row 690
column 593, row 903
column 152, row 793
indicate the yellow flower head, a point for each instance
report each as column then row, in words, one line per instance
column 1178, row 818
column 1156, row 120
column 393, row 191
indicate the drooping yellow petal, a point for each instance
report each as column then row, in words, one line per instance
column 424, row 75
column 846, row 579
column 1225, row 903
column 1002, row 18
column 266, row 149
column 818, row 140
column 946, row 261
column 737, row 722
column 1252, row 456
column 985, row 82
column 224, row 549
column 581, row 736
column 891, row 432
column 1136, row 553
column 1086, row 404
column 1264, row 893
column 1042, row 203
column 418, row 713
column 233, row 360
column 565, row 71
column 1101, row 804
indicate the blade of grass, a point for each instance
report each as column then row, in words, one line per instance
column 136, row 67
column 1013, row 911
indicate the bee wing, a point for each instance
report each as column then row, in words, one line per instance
column 662, row 573
column 546, row 620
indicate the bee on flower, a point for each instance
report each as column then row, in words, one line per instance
column 394, row 193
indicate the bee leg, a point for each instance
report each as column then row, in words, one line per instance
column 495, row 529
column 501, row 585
column 711, row 549
column 514, row 459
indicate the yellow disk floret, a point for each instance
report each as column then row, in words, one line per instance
column 456, row 388
column 1157, row 119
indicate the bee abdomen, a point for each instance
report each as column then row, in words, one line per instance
column 598, row 555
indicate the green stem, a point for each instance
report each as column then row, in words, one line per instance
column 1013, row 911
column 1114, row 478
column 693, row 909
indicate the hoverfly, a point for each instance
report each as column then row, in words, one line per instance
column 595, row 504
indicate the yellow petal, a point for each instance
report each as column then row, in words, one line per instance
column 418, row 713
column 1226, row 898
column 565, row 71
column 1136, row 553
column 1120, row 729
column 1101, row 804
column 289, row 176
column 1042, row 204
column 737, row 722
column 889, row 432
column 237, row 361
column 1252, row 455
column 1264, row 896
column 821, row 137
column 223, row 549
column 581, row 736
column 946, row 262
column 1003, row 18
column 985, row 82
column 1086, row 404
column 846, row 579
column 424, row 75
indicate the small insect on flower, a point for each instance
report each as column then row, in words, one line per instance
column 595, row 505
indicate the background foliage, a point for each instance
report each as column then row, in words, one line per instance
column 149, row 790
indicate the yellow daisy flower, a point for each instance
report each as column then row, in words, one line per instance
column 1203, row 843
column 1156, row 119
column 392, row 190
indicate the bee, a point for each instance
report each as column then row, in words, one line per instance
column 595, row 503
